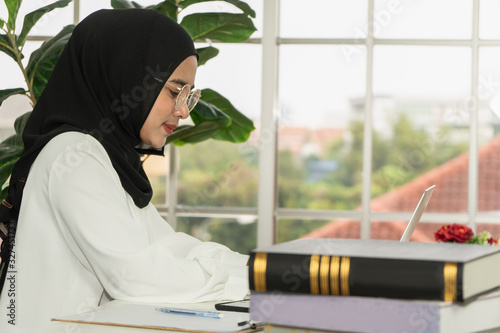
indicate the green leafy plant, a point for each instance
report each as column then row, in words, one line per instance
column 214, row 116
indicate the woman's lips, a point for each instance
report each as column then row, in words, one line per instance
column 169, row 128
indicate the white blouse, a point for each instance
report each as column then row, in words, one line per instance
column 80, row 234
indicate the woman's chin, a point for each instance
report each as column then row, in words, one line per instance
column 159, row 145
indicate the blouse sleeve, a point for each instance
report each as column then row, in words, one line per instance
column 134, row 253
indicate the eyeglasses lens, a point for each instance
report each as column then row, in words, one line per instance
column 182, row 97
column 193, row 100
column 187, row 97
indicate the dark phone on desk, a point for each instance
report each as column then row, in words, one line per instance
column 237, row 306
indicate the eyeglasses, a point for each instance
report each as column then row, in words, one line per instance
column 186, row 96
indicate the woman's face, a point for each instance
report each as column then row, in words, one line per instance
column 163, row 118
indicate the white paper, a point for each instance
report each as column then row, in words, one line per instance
column 142, row 315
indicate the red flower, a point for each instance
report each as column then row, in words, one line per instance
column 493, row 241
column 455, row 233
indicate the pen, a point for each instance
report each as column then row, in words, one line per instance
column 189, row 312
column 249, row 323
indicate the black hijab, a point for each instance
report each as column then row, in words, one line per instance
column 104, row 84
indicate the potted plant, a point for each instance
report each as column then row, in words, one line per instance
column 213, row 117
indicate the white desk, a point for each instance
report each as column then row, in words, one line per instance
column 59, row 327
column 147, row 314
column 69, row 327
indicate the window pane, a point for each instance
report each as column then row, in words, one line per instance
column 320, row 136
column 239, row 235
column 258, row 6
column 423, row 19
column 157, row 170
column 12, row 108
column 89, row 6
column 289, row 229
column 421, row 119
column 236, row 74
column 217, row 173
column 323, row 18
column 11, row 77
column 489, row 130
column 489, row 25
column 393, row 230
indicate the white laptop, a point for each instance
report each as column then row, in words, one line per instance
column 417, row 214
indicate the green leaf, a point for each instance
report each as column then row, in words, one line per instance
column 207, row 112
column 240, row 128
column 15, row 141
column 32, row 18
column 10, row 151
column 43, row 60
column 124, row 4
column 208, row 120
column 195, row 134
column 13, row 8
column 2, row 23
column 4, row 193
column 206, row 53
column 222, row 27
column 167, row 7
column 4, row 42
column 240, row 4
column 20, row 122
column 6, row 93
column 6, row 170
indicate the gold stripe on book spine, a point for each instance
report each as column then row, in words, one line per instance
column 450, row 281
column 323, row 274
column 314, row 274
column 334, row 275
column 345, row 266
column 259, row 271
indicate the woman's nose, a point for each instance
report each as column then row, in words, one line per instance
column 183, row 112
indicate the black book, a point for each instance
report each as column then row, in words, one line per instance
column 376, row 268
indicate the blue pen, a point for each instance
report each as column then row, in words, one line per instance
column 189, row 312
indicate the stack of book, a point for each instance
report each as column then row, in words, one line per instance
column 352, row 285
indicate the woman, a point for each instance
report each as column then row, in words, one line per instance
column 86, row 228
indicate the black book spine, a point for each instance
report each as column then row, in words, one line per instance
column 335, row 275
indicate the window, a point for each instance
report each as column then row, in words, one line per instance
column 422, row 113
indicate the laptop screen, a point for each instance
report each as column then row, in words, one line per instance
column 417, row 214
